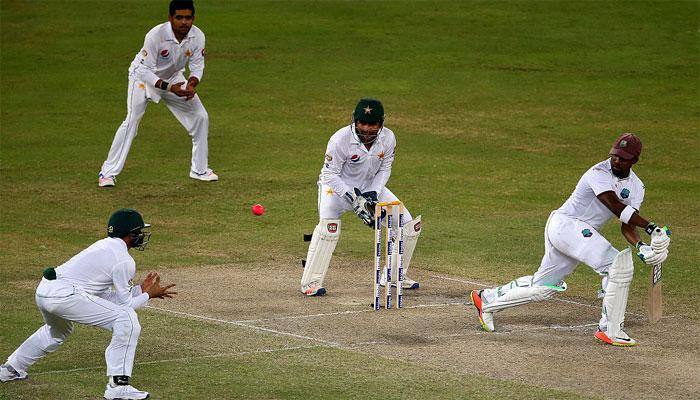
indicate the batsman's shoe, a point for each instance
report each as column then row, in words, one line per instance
column 208, row 176
column 106, row 181
column 8, row 373
column 313, row 289
column 124, row 392
column 622, row 339
column 486, row 318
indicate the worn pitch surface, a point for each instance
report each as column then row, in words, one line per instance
column 548, row 344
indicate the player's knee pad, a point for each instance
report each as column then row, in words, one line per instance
column 521, row 291
column 616, row 291
column 323, row 242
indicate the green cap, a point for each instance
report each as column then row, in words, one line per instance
column 123, row 222
column 369, row 111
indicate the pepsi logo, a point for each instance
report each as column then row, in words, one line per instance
column 416, row 227
column 332, row 227
column 164, row 53
column 355, row 158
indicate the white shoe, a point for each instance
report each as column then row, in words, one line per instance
column 106, row 181
column 8, row 373
column 486, row 318
column 622, row 339
column 124, row 392
column 313, row 289
column 408, row 283
column 208, row 176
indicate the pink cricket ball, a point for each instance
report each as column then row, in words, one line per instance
column 258, row 209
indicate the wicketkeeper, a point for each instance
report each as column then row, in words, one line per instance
column 356, row 169
column 93, row 288
column 609, row 189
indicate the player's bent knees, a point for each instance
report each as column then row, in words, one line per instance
column 127, row 324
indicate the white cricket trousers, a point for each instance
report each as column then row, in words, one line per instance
column 190, row 113
column 61, row 304
column 567, row 243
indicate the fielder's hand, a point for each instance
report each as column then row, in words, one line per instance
column 647, row 254
column 176, row 89
column 151, row 285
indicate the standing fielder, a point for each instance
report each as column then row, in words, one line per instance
column 608, row 189
column 92, row 288
column 157, row 72
column 356, row 169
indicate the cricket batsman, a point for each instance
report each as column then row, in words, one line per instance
column 355, row 171
column 609, row 189
column 94, row 288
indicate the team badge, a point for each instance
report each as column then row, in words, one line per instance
column 623, row 143
column 330, row 192
column 355, row 158
column 381, row 155
column 144, row 53
column 165, row 53
column 110, row 229
column 625, row 193
column 188, row 53
column 587, row 233
column 329, row 157
column 332, row 227
column 367, row 110
column 142, row 86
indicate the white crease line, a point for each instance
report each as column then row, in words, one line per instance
column 242, row 353
column 258, row 328
column 346, row 312
column 553, row 299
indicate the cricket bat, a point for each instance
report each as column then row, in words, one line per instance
column 655, row 309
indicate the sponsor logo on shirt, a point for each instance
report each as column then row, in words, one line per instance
column 625, row 193
column 204, row 53
column 165, row 53
column 355, row 158
column 332, row 227
column 144, row 53
column 587, row 233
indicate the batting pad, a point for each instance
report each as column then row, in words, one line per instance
column 617, row 290
column 323, row 242
column 521, row 291
column 412, row 230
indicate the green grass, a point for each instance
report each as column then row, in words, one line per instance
column 498, row 108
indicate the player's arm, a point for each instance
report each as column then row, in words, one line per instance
column 630, row 218
column 332, row 166
column 121, row 275
column 196, row 64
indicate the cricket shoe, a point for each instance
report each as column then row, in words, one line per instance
column 486, row 318
column 106, row 181
column 124, row 392
column 313, row 289
column 8, row 373
column 622, row 339
column 208, row 176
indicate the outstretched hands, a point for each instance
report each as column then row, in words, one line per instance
column 151, row 285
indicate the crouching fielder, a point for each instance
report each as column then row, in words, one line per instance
column 572, row 235
column 356, row 169
column 92, row 288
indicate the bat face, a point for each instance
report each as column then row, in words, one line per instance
column 655, row 309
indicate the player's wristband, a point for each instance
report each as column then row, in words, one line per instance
column 650, row 228
column 626, row 214
column 164, row 85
